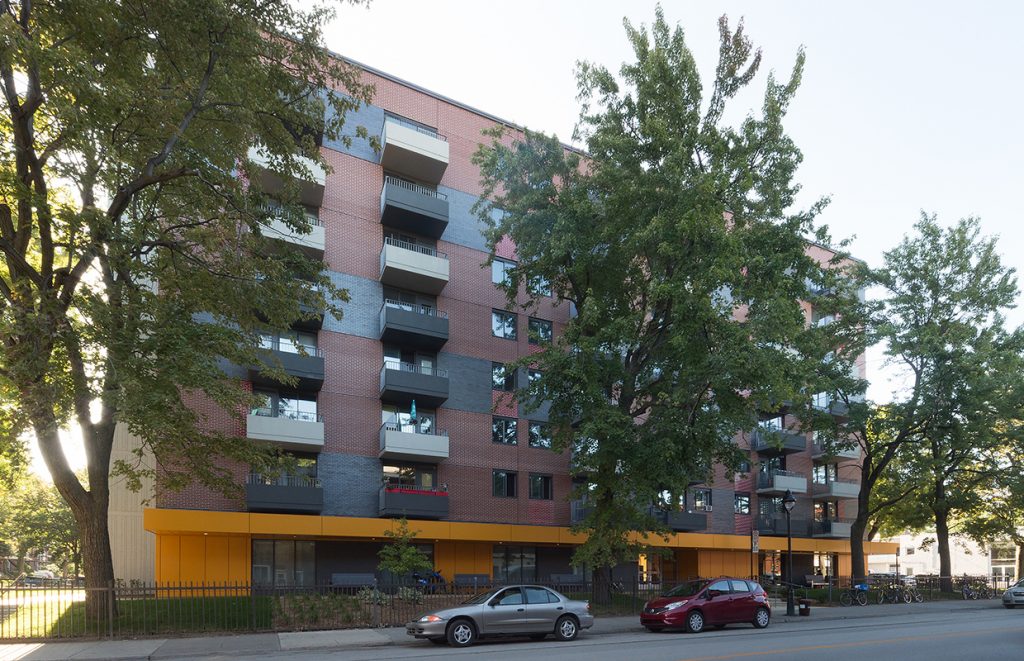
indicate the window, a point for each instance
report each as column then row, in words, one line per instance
column 409, row 477
column 741, row 503
column 502, row 377
column 289, row 342
column 503, row 483
column 771, row 424
column 503, row 324
column 540, row 596
column 541, row 487
column 503, row 430
column 540, row 331
column 533, row 375
column 821, row 400
column 719, row 586
column 825, row 473
column 514, row 564
column 501, row 271
column 276, row 405
column 539, row 286
column 510, row 597
column 744, row 466
column 702, row 500
column 910, row 550
column 540, row 435
column 826, row 510
column 283, row 562
column 400, row 418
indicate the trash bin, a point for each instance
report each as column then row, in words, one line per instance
column 804, row 607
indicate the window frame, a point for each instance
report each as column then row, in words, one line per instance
column 505, row 266
column 507, row 375
column 509, row 479
column 540, row 435
column 506, row 433
column 534, row 337
column 505, row 317
column 737, row 499
column 546, row 484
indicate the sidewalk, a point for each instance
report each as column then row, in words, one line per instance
column 249, row 645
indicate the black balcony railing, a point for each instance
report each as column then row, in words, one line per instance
column 416, row 309
column 290, row 414
column 409, row 124
column 415, row 188
column 284, row 480
column 415, row 247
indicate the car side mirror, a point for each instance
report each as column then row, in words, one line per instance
column 710, row 594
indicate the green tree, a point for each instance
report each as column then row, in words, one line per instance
column 674, row 241
column 941, row 320
column 125, row 226
column 400, row 556
column 36, row 519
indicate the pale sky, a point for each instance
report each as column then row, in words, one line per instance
column 904, row 106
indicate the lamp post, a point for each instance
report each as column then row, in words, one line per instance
column 788, row 502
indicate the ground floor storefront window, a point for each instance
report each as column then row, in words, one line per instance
column 515, row 564
column 283, row 562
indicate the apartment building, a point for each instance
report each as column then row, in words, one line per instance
column 402, row 406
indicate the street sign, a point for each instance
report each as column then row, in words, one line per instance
column 755, row 541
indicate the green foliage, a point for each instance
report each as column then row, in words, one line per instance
column 675, row 242
column 125, row 226
column 35, row 519
column 943, row 321
column 400, row 556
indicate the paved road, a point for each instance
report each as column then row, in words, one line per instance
column 993, row 633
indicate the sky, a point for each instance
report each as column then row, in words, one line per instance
column 904, row 107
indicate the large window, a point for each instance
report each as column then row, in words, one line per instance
column 504, row 483
column 400, row 418
column 826, row 510
column 503, row 430
column 533, row 375
column 702, row 500
column 540, row 331
column 283, row 562
column 514, row 564
column 741, row 503
column 501, row 271
column 825, row 473
column 399, row 476
column 540, row 435
column 289, row 342
column 276, row 405
column 539, row 286
column 502, row 377
column 541, row 487
column 503, row 324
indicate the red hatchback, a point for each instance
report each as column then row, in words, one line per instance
column 695, row 605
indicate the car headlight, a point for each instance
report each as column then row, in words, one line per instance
column 677, row 604
column 431, row 618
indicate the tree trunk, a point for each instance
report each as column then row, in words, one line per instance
column 1020, row 558
column 602, row 585
column 859, row 527
column 942, row 540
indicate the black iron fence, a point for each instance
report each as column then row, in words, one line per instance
column 65, row 611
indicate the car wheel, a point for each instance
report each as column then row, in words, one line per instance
column 461, row 633
column 695, row 622
column 761, row 618
column 566, row 628
column 659, row 629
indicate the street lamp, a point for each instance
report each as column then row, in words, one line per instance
column 788, row 502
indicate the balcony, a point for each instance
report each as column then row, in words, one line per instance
column 403, row 382
column 408, row 444
column 287, row 494
column 277, row 228
column 819, row 452
column 311, row 180
column 413, row 208
column 400, row 501
column 308, row 368
column 835, row 489
column 679, row 521
column 831, row 529
column 780, row 481
column 775, row 525
column 413, row 150
column 295, row 430
column 411, row 266
column 777, row 442
column 413, row 325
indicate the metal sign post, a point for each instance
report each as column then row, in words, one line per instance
column 755, row 548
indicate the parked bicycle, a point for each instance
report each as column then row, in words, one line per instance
column 894, row 593
column 858, row 594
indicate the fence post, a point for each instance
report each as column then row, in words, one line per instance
column 377, row 605
column 252, row 605
column 110, row 609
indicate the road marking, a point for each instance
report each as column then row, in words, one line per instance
column 863, row 643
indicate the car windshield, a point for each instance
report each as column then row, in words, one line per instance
column 687, row 589
column 481, row 598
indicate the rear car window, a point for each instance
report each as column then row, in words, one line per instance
column 539, row 596
column 754, row 587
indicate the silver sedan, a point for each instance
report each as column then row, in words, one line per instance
column 1014, row 595
column 515, row 610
